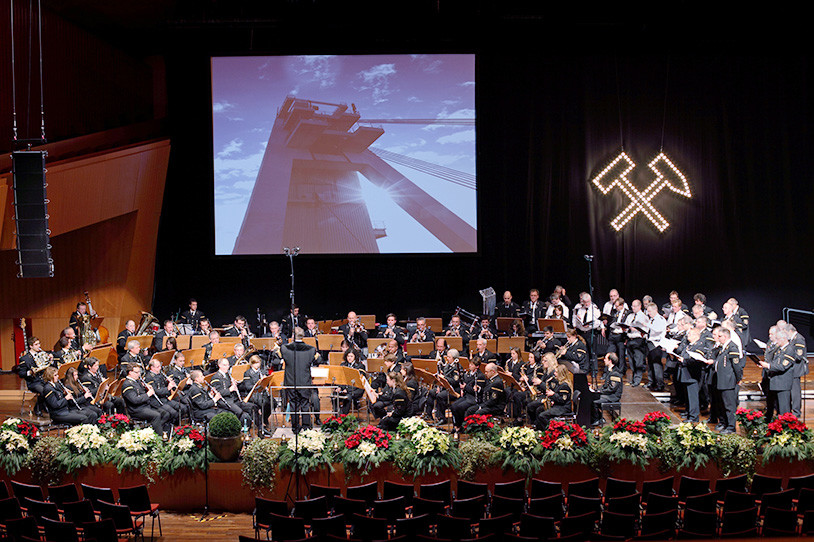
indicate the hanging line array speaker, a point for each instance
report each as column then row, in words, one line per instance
column 31, row 215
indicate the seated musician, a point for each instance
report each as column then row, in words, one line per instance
column 517, row 329
column 611, row 390
column 91, row 377
column 192, row 316
column 515, row 398
column 393, row 331
column 238, row 353
column 423, row 334
column 549, row 343
column 381, row 396
column 275, row 332
column 137, row 395
column 177, row 371
column 575, row 351
column 294, row 319
column 121, row 341
column 223, row 383
column 240, row 328
column 133, row 357
column 556, row 305
column 482, row 355
column 58, row 398
column 474, row 385
column 311, row 329
column 545, row 378
column 401, row 402
column 494, row 395
column 417, row 397
column 507, row 309
column 204, row 327
column 354, row 332
column 394, row 348
column 450, row 369
column 485, row 331
column 440, row 351
column 83, row 396
column 352, row 394
column 76, row 344
column 163, row 388
column 31, row 365
column 531, row 378
column 211, row 364
column 167, row 331
column 455, row 329
column 261, row 398
column 559, row 398
column 201, row 406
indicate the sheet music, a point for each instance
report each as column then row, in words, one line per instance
column 669, row 345
column 760, row 343
column 698, row 356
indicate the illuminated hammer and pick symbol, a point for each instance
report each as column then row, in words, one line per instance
column 667, row 175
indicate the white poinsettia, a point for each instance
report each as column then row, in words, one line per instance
column 430, row 440
column 366, row 448
column 9, row 423
column 13, row 442
column 630, row 440
column 518, row 439
column 85, row 437
column 184, row 445
column 310, row 441
column 137, row 440
column 564, row 443
column 410, row 426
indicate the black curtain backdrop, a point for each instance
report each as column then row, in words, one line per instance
column 737, row 125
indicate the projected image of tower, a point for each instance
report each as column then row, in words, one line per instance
column 308, row 192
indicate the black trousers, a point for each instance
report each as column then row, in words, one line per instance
column 299, row 401
column 616, row 344
column 75, row 417
column 693, row 408
column 459, row 408
column 796, row 397
column 729, row 400
column 656, row 368
column 782, row 400
column 159, row 420
column 544, row 416
column 636, row 350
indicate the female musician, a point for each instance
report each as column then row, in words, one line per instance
column 517, row 329
column 515, row 397
column 558, row 313
column 172, row 344
column 474, row 383
column 82, row 395
column 352, row 394
column 440, row 351
column 560, row 399
column 57, row 399
column 260, row 399
column 575, row 351
column 439, row 397
column 401, row 402
column 546, row 380
column 411, row 381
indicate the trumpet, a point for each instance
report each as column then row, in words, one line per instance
column 454, row 332
column 562, row 350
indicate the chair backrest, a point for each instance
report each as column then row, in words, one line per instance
column 453, row 528
column 95, row 494
column 311, row 508
column 782, row 500
column 414, row 526
column 795, row 482
column 542, row 488
column 287, row 528
column 79, row 512
column 805, row 500
column 766, row 484
column 41, row 509
column 328, row 492
column 736, row 483
column 365, row 492
column 506, row 505
column 391, row 509
column 391, row 490
column 9, row 509
column 614, row 524
column 426, row 506
column 578, row 505
column 264, row 507
column 467, row 490
column 583, row 524
column 22, row 491
column 615, row 487
column 628, row 504
column 735, row 501
column 702, row 523
column 61, row 531
column 661, row 503
column 367, row 528
column 539, row 526
column 120, row 514
column 549, row 507
column 662, row 486
column 471, row 509
column 136, row 497
column 103, row 530
column 704, row 502
column 496, row 525
column 348, row 507
column 585, row 488
column 63, row 493
column 738, row 521
column 20, row 527
column 659, row 522
column 690, row 487
column 440, row 491
column 322, row 527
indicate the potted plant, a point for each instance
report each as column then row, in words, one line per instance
column 225, row 440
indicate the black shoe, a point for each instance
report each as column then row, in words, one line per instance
column 727, row 431
column 720, row 427
column 598, row 423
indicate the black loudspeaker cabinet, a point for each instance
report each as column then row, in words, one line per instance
column 31, row 215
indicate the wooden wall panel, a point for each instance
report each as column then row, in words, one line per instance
column 104, row 219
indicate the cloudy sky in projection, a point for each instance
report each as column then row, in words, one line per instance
column 246, row 92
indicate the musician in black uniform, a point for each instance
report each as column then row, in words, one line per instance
column 355, row 332
column 75, row 342
column 393, row 331
column 441, row 349
column 208, row 362
column 482, row 355
column 485, row 331
column 240, row 328
column 455, row 329
column 163, row 390
column 401, row 402
column 560, row 399
column 84, row 398
column 78, row 316
column 311, row 328
column 494, row 395
column 515, row 398
column 739, row 317
column 416, row 396
column 204, row 327
column 546, row 379
column 616, row 336
column 352, row 394
column 382, row 396
column 532, row 378
column 575, row 351
column 474, row 385
column 167, row 331
column 533, row 308
column 192, row 316
column 611, row 390
column 507, row 309
column 394, row 348
column 548, row 343
column 423, row 334
column 440, row 397
column 238, row 354
column 202, row 407
column 27, row 366
column 691, row 372
column 137, row 399
column 780, row 370
column 133, row 357
column 293, row 320
column 58, row 400
column 637, row 322
column 274, row 331
column 298, row 358
column 728, row 372
column 177, row 369
column 261, row 398
column 800, row 367
column 91, row 377
column 121, row 341
column 223, row 383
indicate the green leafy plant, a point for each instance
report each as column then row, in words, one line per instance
column 259, row 464
column 477, row 455
column 43, row 461
column 519, row 449
column 306, row 452
column 787, row 437
column 185, row 450
column 687, row 446
column 224, row 425
column 16, row 438
column 138, row 450
column 83, row 446
column 428, row 450
column 564, row 443
column 367, row 447
column 736, row 455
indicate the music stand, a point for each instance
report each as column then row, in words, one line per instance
column 372, row 344
column 375, row 365
column 194, row 357
column 145, row 341
column 335, row 358
column 238, row 371
column 324, row 326
column 436, row 380
column 230, row 340
column 557, row 324
column 197, row 341
column 504, row 323
column 505, row 344
column 63, row 369
column 368, row 320
column 330, row 342
column 425, row 364
column 102, row 390
column 181, row 341
column 435, row 324
column 222, row 350
column 418, row 349
column 165, row 357
column 453, row 342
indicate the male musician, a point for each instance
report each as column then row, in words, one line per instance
column 64, row 353
column 382, row 397
column 556, row 301
column 450, row 369
column 177, row 369
column 485, row 331
column 311, row 329
column 58, row 400
column 204, row 327
column 167, row 331
column 616, row 337
column 192, row 316
column 587, row 322
column 214, row 338
column 691, row 372
column 240, row 328
column 455, row 329
column 637, row 322
column 474, row 384
column 261, row 398
column 534, row 309
column 515, row 398
column 494, row 395
column 609, row 307
column 223, row 383
column 238, row 353
column 201, row 406
column 275, row 332
column 163, row 388
column 700, row 300
column 121, row 341
column 508, row 309
column 657, row 330
column 394, row 348
column 75, row 343
column 355, row 332
column 133, row 356
column 769, row 353
column 728, row 372
column 137, row 397
column 78, row 316
column 422, row 334
column 91, row 377
column 481, row 355
column 393, row 331
column 800, row 365
column 780, row 371
column 27, row 366
column 738, row 316
column 611, row 390
column 293, row 319
column 549, row 343
column 298, row 358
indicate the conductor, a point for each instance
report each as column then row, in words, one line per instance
column 298, row 357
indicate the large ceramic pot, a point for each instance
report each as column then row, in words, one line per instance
column 226, row 449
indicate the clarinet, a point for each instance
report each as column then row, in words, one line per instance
column 65, row 392
column 149, row 387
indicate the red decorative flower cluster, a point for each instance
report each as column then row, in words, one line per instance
column 750, row 414
column 655, row 422
column 557, row 429
column 28, row 430
column 630, row 426
column 476, row 423
column 656, row 415
column 114, row 421
column 373, row 434
column 189, row 431
column 786, row 422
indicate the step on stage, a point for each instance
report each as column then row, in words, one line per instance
column 637, row 401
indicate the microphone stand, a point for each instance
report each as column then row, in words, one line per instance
column 291, row 253
column 206, row 471
column 592, row 361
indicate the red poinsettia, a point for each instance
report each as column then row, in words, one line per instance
column 785, row 422
column 191, row 432
column 476, row 423
column 368, row 433
column 631, row 426
column 557, row 429
column 750, row 414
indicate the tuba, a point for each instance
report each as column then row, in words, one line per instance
column 147, row 321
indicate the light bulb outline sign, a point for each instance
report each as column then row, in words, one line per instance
column 666, row 175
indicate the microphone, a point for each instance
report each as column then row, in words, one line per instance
column 589, row 257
